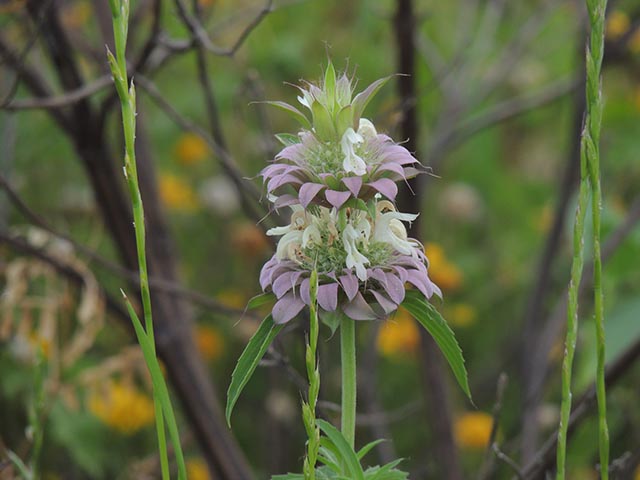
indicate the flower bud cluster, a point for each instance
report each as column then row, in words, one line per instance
column 339, row 176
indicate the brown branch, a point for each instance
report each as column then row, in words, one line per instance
column 32, row 79
column 61, row 101
column 246, row 190
column 434, row 382
column 156, row 283
column 200, row 36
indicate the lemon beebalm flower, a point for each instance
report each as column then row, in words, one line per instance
column 337, row 155
column 363, row 262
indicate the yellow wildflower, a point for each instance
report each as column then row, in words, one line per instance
column 544, row 219
column 39, row 342
column 12, row 6
column 76, row 15
column 191, row 149
column 634, row 42
column 197, row 469
column 461, row 315
column 444, row 273
column 232, row 298
column 249, row 240
column 636, row 475
column 399, row 336
column 177, row 194
column 618, row 24
column 473, row 430
column 209, row 341
column 122, row 407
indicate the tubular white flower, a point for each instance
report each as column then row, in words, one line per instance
column 367, row 129
column 311, row 235
column 390, row 229
column 289, row 245
column 352, row 163
column 354, row 259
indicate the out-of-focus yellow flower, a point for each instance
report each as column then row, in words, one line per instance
column 636, row 475
column 232, row 298
column 544, row 219
column 618, row 24
column 461, row 315
column 122, row 407
column 197, row 469
column 473, row 430
column 634, row 42
column 191, row 149
column 177, row 194
column 38, row 342
column 444, row 273
column 249, row 240
column 399, row 336
column 12, row 6
column 76, row 15
column 583, row 473
column 209, row 341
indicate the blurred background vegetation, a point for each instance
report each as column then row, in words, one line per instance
column 498, row 103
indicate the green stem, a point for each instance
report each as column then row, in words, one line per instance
column 126, row 92
column 595, row 52
column 313, row 373
column 589, row 183
column 572, row 326
column 348, row 360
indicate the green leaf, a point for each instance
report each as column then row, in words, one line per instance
column 287, row 139
column 348, row 456
column 248, row 361
column 427, row 315
column 291, row 110
column 160, row 390
column 367, row 448
column 322, row 122
column 330, row 84
column 261, row 299
column 344, row 120
column 331, row 320
column 362, row 99
column 386, row 472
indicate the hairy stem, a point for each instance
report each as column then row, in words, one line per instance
column 127, row 95
column 309, row 407
column 595, row 52
column 348, row 360
column 589, row 183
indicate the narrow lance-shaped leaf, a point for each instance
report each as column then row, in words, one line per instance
column 346, row 452
column 291, row 110
column 362, row 99
column 260, row 300
column 159, row 386
column 248, row 361
column 427, row 315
